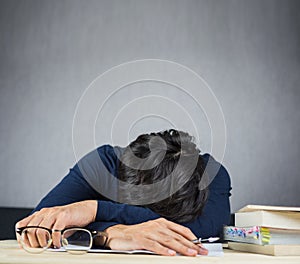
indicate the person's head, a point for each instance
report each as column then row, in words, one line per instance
column 161, row 152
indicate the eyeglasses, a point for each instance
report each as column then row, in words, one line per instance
column 75, row 240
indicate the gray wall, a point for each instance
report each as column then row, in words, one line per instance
column 247, row 51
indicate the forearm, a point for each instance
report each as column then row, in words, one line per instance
column 123, row 213
column 216, row 213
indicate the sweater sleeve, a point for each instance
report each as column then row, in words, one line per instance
column 216, row 212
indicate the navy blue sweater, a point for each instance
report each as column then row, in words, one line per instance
column 75, row 188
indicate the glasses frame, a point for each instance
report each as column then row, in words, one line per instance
column 93, row 234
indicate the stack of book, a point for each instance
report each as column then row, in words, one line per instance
column 271, row 230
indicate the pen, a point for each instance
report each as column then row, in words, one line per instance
column 200, row 240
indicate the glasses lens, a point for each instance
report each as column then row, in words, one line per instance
column 35, row 240
column 77, row 240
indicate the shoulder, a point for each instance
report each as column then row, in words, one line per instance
column 110, row 152
column 219, row 177
column 99, row 168
column 103, row 157
column 105, row 152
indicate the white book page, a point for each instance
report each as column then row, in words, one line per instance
column 214, row 250
column 252, row 208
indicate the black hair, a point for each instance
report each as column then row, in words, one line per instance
column 184, row 204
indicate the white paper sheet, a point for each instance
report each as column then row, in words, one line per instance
column 214, row 250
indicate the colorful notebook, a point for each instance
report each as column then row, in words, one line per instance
column 261, row 235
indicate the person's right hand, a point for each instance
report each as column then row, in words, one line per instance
column 77, row 214
column 160, row 236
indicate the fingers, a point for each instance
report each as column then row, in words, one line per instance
column 176, row 237
column 30, row 237
column 158, row 248
column 170, row 247
column 51, row 219
column 43, row 235
column 35, row 237
column 180, row 243
column 182, row 230
column 188, row 234
column 57, row 218
column 24, row 222
column 173, row 241
column 123, row 237
column 160, row 236
column 203, row 250
column 56, row 235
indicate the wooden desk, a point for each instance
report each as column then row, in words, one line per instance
column 11, row 253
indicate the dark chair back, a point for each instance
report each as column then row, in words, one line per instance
column 8, row 219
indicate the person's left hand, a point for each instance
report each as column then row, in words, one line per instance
column 59, row 217
column 160, row 236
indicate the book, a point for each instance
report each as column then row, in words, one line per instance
column 262, row 235
column 268, row 216
column 274, row 250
